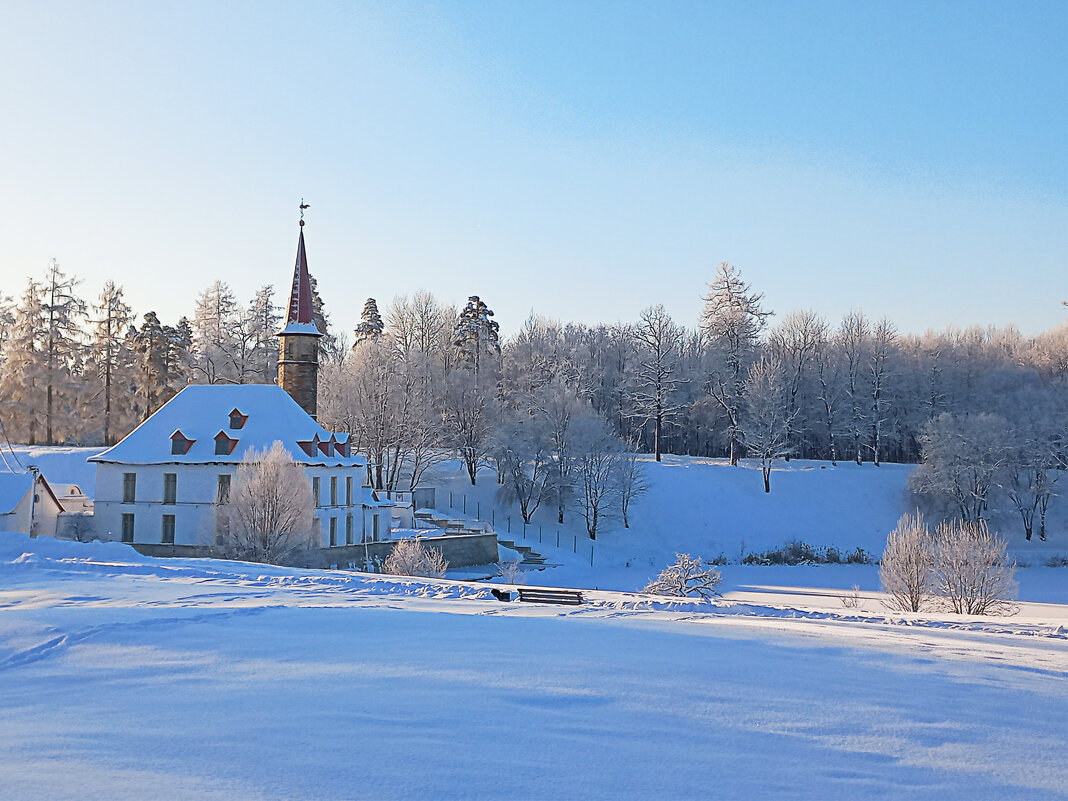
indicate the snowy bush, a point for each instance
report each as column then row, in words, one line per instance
column 972, row 573
column 508, row 569
column 688, row 576
column 907, row 566
column 410, row 558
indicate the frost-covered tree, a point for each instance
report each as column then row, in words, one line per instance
column 853, row 341
column 906, row 569
column 595, row 454
column 410, row 557
column 795, row 343
column 962, row 456
column 261, row 323
column 522, row 447
column 111, row 356
column 688, row 576
column 658, row 341
column 631, row 480
column 973, row 574
column 370, row 326
column 766, row 425
column 732, row 321
column 62, row 314
column 883, row 339
column 23, row 368
column 469, row 413
column 268, row 517
column 217, row 336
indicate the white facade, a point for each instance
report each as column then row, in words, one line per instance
column 27, row 505
column 162, row 483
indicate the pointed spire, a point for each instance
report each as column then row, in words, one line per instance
column 299, row 317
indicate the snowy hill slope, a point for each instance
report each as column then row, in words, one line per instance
column 709, row 509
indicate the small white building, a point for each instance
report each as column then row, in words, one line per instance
column 27, row 504
column 162, row 483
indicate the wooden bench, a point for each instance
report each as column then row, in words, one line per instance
column 537, row 595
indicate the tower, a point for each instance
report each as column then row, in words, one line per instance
column 298, row 356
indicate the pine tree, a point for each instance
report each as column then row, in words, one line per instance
column 217, row 336
column 476, row 335
column 371, row 326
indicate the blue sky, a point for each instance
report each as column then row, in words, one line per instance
column 579, row 159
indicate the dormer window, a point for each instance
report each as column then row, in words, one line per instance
column 180, row 444
column 326, row 448
column 342, row 448
column 224, row 446
column 309, row 446
column 237, row 420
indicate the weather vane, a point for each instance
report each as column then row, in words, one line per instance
column 303, row 206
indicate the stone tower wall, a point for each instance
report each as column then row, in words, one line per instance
column 298, row 369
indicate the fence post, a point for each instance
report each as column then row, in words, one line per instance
column 493, row 517
column 465, row 503
column 524, row 529
column 509, row 524
column 450, row 499
column 539, row 532
column 557, row 538
column 575, row 547
column 591, row 556
column 478, row 511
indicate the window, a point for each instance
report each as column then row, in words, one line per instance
column 168, row 530
column 180, row 443
column 315, row 490
column 127, row 527
column 237, row 420
column 223, row 494
column 333, row 531
column 348, row 529
column 333, row 490
column 170, row 488
column 129, row 487
column 224, row 446
column 348, row 491
column 374, row 530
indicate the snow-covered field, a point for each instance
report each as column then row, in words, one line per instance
column 128, row 677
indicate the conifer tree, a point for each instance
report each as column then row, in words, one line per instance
column 371, row 326
column 476, row 335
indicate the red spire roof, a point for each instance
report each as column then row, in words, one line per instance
column 299, row 317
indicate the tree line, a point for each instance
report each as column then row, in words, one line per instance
column 556, row 408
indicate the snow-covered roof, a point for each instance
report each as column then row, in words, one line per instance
column 13, row 488
column 196, row 417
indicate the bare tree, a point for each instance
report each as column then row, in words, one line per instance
column 523, row 450
column 962, row 456
column 795, row 342
column 468, row 414
column 268, row 516
column 410, row 557
column 687, row 576
column 972, row 572
column 630, row 476
column 767, row 421
column 907, row 567
column 595, row 452
column 656, row 378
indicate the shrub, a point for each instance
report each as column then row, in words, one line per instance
column 687, row 576
column 972, row 573
column 907, row 567
column 410, row 558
